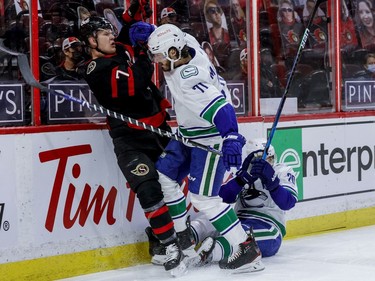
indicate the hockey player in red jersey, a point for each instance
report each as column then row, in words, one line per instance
column 119, row 75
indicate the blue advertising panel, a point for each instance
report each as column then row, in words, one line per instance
column 61, row 110
column 359, row 94
column 12, row 104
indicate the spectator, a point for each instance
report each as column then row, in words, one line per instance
column 369, row 68
column 318, row 29
column 217, row 30
column 364, row 17
column 238, row 20
column 168, row 15
column 210, row 53
column 308, row 8
column 72, row 50
column 23, row 5
column 370, row 63
column 270, row 86
column 291, row 29
column 242, row 75
column 214, row 15
column 348, row 36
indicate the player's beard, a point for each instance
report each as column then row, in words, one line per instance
column 166, row 66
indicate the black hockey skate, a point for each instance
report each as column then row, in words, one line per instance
column 246, row 259
column 205, row 251
column 187, row 242
column 175, row 259
column 156, row 250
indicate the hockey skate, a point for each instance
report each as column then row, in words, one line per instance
column 156, row 250
column 205, row 251
column 246, row 259
column 187, row 243
column 175, row 259
column 186, row 240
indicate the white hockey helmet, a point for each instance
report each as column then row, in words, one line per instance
column 162, row 39
column 259, row 144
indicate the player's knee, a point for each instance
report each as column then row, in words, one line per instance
column 149, row 194
column 170, row 188
column 269, row 247
column 204, row 203
column 138, row 170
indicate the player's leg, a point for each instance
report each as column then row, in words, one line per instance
column 173, row 166
column 206, row 176
column 267, row 235
column 142, row 177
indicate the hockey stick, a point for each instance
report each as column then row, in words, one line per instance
column 25, row 70
column 290, row 77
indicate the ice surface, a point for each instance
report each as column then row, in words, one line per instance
column 336, row 256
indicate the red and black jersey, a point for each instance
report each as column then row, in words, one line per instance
column 123, row 85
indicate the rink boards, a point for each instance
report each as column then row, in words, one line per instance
column 65, row 208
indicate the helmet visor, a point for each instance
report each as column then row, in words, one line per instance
column 159, row 57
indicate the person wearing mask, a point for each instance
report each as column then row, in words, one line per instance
column 72, row 49
column 369, row 68
column 168, row 15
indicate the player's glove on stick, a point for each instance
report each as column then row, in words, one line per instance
column 232, row 150
column 263, row 170
column 138, row 10
column 133, row 12
column 244, row 176
column 146, row 9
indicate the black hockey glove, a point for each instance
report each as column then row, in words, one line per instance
column 244, row 176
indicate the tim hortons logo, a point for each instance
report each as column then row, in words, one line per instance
column 99, row 205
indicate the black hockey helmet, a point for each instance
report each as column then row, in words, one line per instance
column 91, row 25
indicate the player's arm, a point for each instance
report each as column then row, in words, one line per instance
column 215, row 109
column 226, row 123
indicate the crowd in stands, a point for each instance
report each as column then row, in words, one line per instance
column 222, row 29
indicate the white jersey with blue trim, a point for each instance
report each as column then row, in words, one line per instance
column 259, row 203
column 198, row 92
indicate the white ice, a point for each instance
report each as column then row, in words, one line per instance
column 345, row 255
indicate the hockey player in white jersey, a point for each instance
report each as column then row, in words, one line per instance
column 262, row 191
column 204, row 113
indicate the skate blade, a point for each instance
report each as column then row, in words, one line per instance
column 158, row 259
column 191, row 257
column 248, row 268
column 180, row 270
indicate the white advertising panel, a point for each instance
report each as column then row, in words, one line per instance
column 8, row 193
column 339, row 159
column 81, row 191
